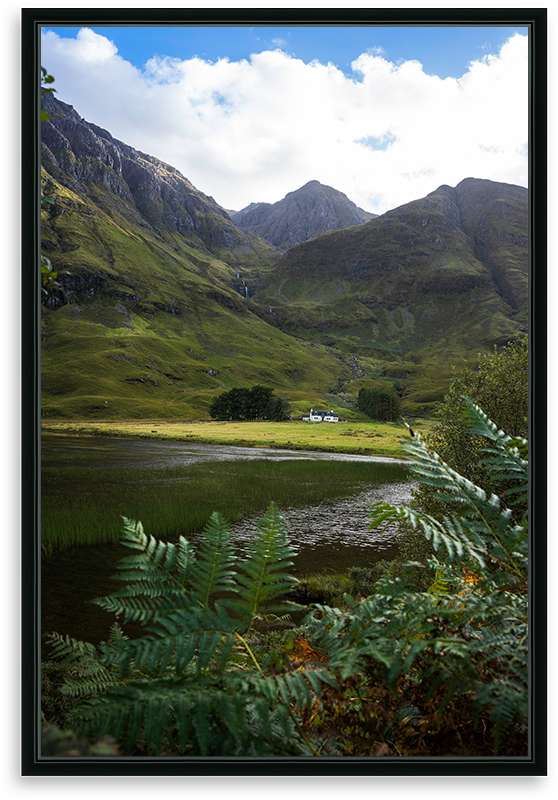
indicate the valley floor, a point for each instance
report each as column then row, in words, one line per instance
column 362, row 437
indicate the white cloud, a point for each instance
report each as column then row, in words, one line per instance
column 255, row 129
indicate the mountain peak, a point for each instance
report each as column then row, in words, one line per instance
column 301, row 215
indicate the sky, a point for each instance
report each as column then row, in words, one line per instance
column 248, row 114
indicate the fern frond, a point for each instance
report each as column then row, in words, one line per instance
column 482, row 528
column 69, row 650
column 159, row 571
column 213, row 571
column 180, row 640
column 262, row 578
column 86, row 674
column 507, row 456
column 449, row 532
column 441, row 585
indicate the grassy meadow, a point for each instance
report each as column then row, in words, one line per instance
column 362, row 437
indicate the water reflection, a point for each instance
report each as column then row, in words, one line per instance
column 336, row 535
column 66, row 450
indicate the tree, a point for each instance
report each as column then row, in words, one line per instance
column 219, row 407
column 278, row 409
column 258, row 401
column 238, row 401
column 244, row 404
column 231, row 405
column 382, row 405
column 500, row 386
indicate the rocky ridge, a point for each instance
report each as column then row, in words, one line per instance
column 428, row 281
column 152, row 193
column 301, row 215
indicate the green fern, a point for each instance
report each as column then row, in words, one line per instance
column 262, row 577
column 482, row 529
column 181, row 684
column 507, row 455
column 453, row 640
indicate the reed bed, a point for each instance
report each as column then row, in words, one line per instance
column 84, row 505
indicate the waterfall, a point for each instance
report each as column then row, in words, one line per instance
column 244, row 289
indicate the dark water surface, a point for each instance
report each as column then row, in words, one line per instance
column 329, row 536
column 63, row 450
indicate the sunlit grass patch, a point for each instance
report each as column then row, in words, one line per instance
column 364, row 437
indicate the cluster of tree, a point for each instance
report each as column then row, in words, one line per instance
column 258, row 402
column 383, row 405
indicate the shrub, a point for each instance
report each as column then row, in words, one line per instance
column 426, row 668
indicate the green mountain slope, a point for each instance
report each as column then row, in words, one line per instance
column 415, row 291
column 163, row 302
column 149, row 320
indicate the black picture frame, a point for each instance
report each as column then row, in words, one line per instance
column 32, row 763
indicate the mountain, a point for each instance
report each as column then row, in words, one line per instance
column 163, row 302
column 414, row 291
column 309, row 211
column 151, row 317
column 143, row 190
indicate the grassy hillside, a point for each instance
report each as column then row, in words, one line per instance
column 406, row 293
column 153, row 326
column 163, row 302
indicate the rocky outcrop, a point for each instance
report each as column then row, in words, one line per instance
column 301, row 215
column 79, row 154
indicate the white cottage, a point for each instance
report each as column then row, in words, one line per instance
column 323, row 416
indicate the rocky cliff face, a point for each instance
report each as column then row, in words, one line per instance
column 80, row 154
column 495, row 217
column 301, row 215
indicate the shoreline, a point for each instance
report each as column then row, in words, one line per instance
column 124, row 429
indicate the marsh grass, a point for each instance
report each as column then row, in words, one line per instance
column 84, row 505
column 329, row 588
